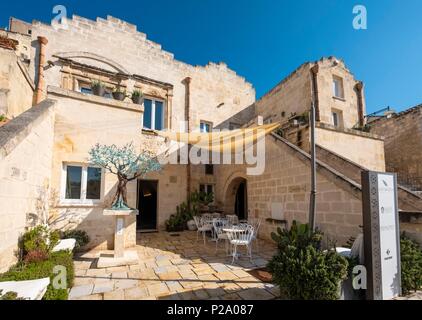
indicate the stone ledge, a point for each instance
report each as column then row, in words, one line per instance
column 114, row 212
column 17, row 129
column 358, row 133
column 276, row 221
column 52, row 90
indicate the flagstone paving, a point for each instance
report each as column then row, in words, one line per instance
column 174, row 268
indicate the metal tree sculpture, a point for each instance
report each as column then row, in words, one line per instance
column 126, row 164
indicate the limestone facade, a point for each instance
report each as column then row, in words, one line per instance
column 114, row 52
column 403, row 144
column 25, row 176
column 16, row 85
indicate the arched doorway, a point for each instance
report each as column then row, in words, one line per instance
column 236, row 198
column 240, row 204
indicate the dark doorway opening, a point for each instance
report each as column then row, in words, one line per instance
column 147, row 205
column 240, row 205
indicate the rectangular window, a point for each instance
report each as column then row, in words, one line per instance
column 206, row 188
column 73, row 182
column 337, row 118
column 209, row 169
column 83, row 183
column 338, row 91
column 93, row 183
column 205, row 126
column 86, row 90
column 153, row 114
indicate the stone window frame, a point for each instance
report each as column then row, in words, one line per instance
column 82, row 200
column 73, row 77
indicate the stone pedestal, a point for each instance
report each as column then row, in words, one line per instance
column 121, row 256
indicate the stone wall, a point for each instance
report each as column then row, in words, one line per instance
column 362, row 148
column 329, row 68
column 291, row 95
column 286, row 184
column 16, row 87
column 294, row 94
column 81, row 122
column 403, row 144
column 26, row 147
column 217, row 92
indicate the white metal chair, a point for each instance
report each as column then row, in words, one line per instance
column 255, row 223
column 219, row 224
column 232, row 218
column 202, row 227
column 215, row 215
column 241, row 237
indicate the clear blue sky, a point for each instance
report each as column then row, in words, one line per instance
column 265, row 40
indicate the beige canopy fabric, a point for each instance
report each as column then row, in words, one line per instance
column 221, row 141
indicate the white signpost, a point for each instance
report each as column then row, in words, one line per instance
column 381, row 235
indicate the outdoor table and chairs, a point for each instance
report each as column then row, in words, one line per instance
column 229, row 229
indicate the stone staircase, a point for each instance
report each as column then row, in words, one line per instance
column 409, row 201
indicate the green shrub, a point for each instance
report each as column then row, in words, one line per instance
column 9, row 295
column 39, row 239
column 137, row 93
column 97, row 83
column 411, row 265
column 43, row 269
column 302, row 269
column 80, row 236
column 185, row 212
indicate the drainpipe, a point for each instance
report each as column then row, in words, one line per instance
column 39, row 91
column 186, row 82
column 314, row 72
column 314, row 116
column 312, row 196
column 359, row 89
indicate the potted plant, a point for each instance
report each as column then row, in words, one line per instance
column 98, row 87
column 119, row 93
column 137, row 96
column 175, row 223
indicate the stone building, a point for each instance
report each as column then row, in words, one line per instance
column 55, row 120
column 403, row 144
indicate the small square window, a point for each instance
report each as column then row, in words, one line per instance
column 209, row 169
column 205, row 127
column 86, row 90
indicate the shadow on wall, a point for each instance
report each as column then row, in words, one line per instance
column 100, row 228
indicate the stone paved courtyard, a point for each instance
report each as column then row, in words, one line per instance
column 177, row 268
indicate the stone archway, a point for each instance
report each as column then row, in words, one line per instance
column 236, row 198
